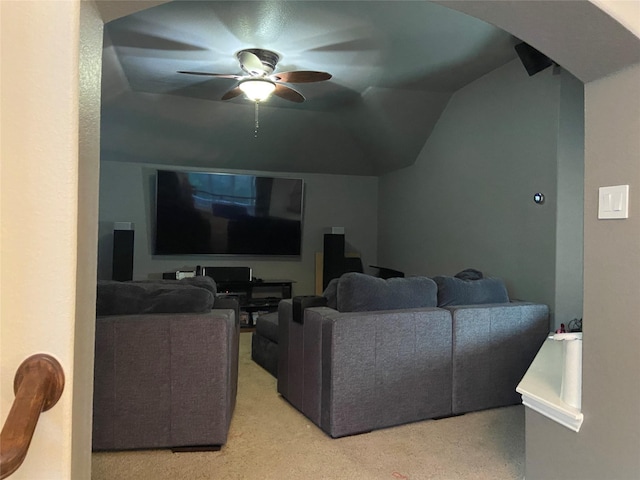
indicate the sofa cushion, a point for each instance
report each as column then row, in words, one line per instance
column 358, row 292
column 126, row 298
column 455, row 291
column 267, row 326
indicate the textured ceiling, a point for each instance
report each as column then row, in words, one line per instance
column 394, row 66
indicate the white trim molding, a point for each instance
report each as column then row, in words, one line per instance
column 541, row 386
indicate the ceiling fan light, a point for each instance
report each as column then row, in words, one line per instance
column 257, row 90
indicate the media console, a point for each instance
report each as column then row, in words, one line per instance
column 255, row 297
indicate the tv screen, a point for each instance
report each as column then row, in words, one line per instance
column 227, row 214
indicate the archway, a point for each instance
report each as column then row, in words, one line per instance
column 606, row 446
column 572, row 33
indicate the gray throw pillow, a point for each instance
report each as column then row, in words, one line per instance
column 455, row 291
column 358, row 292
column 129, row 298
column 469, row 274
column 201, row 281
column 331, row 293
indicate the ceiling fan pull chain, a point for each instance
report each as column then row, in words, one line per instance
column 255, row 133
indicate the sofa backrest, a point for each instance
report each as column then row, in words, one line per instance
column 358, row 292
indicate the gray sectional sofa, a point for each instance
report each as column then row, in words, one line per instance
column 166, row 365
column 389, row 352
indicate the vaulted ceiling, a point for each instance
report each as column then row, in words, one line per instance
column 394, row 66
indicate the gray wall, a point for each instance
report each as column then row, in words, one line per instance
column 468, row 200
column 330, row 200
column 570, row 201
column 608, row 443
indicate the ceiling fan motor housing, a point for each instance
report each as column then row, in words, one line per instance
column 259, row 64
column 268, row 59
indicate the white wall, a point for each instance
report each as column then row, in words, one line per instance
column 468, row 200
column 329, row 200
column 48, row 297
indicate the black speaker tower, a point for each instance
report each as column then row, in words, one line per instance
column 123, row 235
column 333, row 264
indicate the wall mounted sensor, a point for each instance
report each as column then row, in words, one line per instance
column 538, row 198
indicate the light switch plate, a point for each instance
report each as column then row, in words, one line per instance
column 613, row 202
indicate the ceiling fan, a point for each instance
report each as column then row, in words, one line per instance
column 259, row 81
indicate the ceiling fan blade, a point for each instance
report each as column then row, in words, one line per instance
column 218, row 75
column 302, row 76
column 288, row 93
column 251, row 63
column 233, row 93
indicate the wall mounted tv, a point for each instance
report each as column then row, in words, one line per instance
column 227, row 214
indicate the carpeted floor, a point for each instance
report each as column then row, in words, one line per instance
column 269, row 439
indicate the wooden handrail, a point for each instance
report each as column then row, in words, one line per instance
column 38, row 385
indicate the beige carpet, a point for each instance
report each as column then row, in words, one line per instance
column 269, row 439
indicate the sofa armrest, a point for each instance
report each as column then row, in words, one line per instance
column 302, row 302
column 164, row 380
column 355, row 364
column 223, row 302
column 289, row 351
column 493, row 345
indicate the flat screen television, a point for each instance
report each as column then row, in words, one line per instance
column 227, row 214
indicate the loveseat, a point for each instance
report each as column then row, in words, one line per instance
column 166, row 365
column 389, row 352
